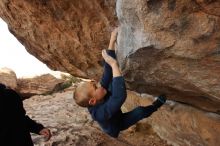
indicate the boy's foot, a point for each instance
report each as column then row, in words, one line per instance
column 160, row 101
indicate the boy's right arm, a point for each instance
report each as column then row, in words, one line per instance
column 107, row 74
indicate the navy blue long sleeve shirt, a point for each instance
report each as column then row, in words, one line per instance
column 108, row 113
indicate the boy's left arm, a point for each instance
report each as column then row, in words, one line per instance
column 115, row 101
column 107, row 74
column 118, row 97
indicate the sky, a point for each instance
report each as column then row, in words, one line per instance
column 14, row 56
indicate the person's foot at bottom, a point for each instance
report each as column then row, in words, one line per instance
column 160, row 101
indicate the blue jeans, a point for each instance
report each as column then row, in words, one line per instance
column 130, row 118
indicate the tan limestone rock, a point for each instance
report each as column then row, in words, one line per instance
column 179, row 124
column 66, row 35
column 44, row 84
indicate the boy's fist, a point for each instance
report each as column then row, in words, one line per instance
column 113, row 39
column 108, row 59
column 114, row 34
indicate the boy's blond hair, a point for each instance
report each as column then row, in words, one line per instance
column 81, row 95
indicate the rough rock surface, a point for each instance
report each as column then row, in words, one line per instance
column 169, row 46
column 27, row 87
column 164, row 46
column 72, row 125
column 8, row 77
column 173, row 48
column 179, row 124
column 38, row 85
column 66, row 35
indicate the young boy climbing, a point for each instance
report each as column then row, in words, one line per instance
column 104, row 102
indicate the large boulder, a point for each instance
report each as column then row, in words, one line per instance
column 44, row 84
column 66, row 35
column 169, row 46
column 164, row 46
column 173, row 48
column 179, row 124
column 27, row 87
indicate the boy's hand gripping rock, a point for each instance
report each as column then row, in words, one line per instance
column 108, row 59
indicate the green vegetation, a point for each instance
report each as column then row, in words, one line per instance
column 69, row 80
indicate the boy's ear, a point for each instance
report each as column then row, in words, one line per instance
column 92, row 101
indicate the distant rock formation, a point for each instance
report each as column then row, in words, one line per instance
column 8, row 77
column 44, row 84
column 27, row 87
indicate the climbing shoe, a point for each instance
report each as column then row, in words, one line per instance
column 160, row 101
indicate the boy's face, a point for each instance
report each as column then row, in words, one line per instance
column 94, row 90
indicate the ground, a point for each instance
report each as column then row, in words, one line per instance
column 72, row 125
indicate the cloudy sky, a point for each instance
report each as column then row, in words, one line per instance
column 14, row 56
